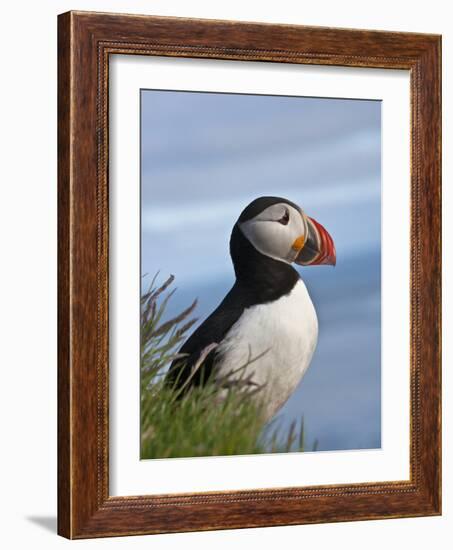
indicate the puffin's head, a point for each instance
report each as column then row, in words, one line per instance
column 280, row 229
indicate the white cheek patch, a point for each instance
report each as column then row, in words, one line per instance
column 272, row 238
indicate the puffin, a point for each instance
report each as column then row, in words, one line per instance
column 265, row 330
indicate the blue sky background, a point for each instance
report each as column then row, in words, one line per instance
column 205, row 156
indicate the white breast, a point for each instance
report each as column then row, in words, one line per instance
column 285, row 333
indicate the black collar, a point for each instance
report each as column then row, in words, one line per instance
column 260, row 278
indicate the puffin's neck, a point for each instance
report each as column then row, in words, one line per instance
column 261, row 277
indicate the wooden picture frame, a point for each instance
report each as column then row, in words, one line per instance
column 85, row 42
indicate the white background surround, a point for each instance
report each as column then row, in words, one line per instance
column 129, row 475
column 28, row 172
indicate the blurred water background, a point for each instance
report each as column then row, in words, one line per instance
column 204, row 157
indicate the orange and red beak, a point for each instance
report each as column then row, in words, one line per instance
column 318, row 248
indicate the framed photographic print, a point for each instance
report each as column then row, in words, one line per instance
column 249, row 275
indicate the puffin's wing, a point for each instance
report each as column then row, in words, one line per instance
column 211, row 331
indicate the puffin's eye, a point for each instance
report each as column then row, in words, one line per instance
column 285, row 218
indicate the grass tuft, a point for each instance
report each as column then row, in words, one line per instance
column 216, row 419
